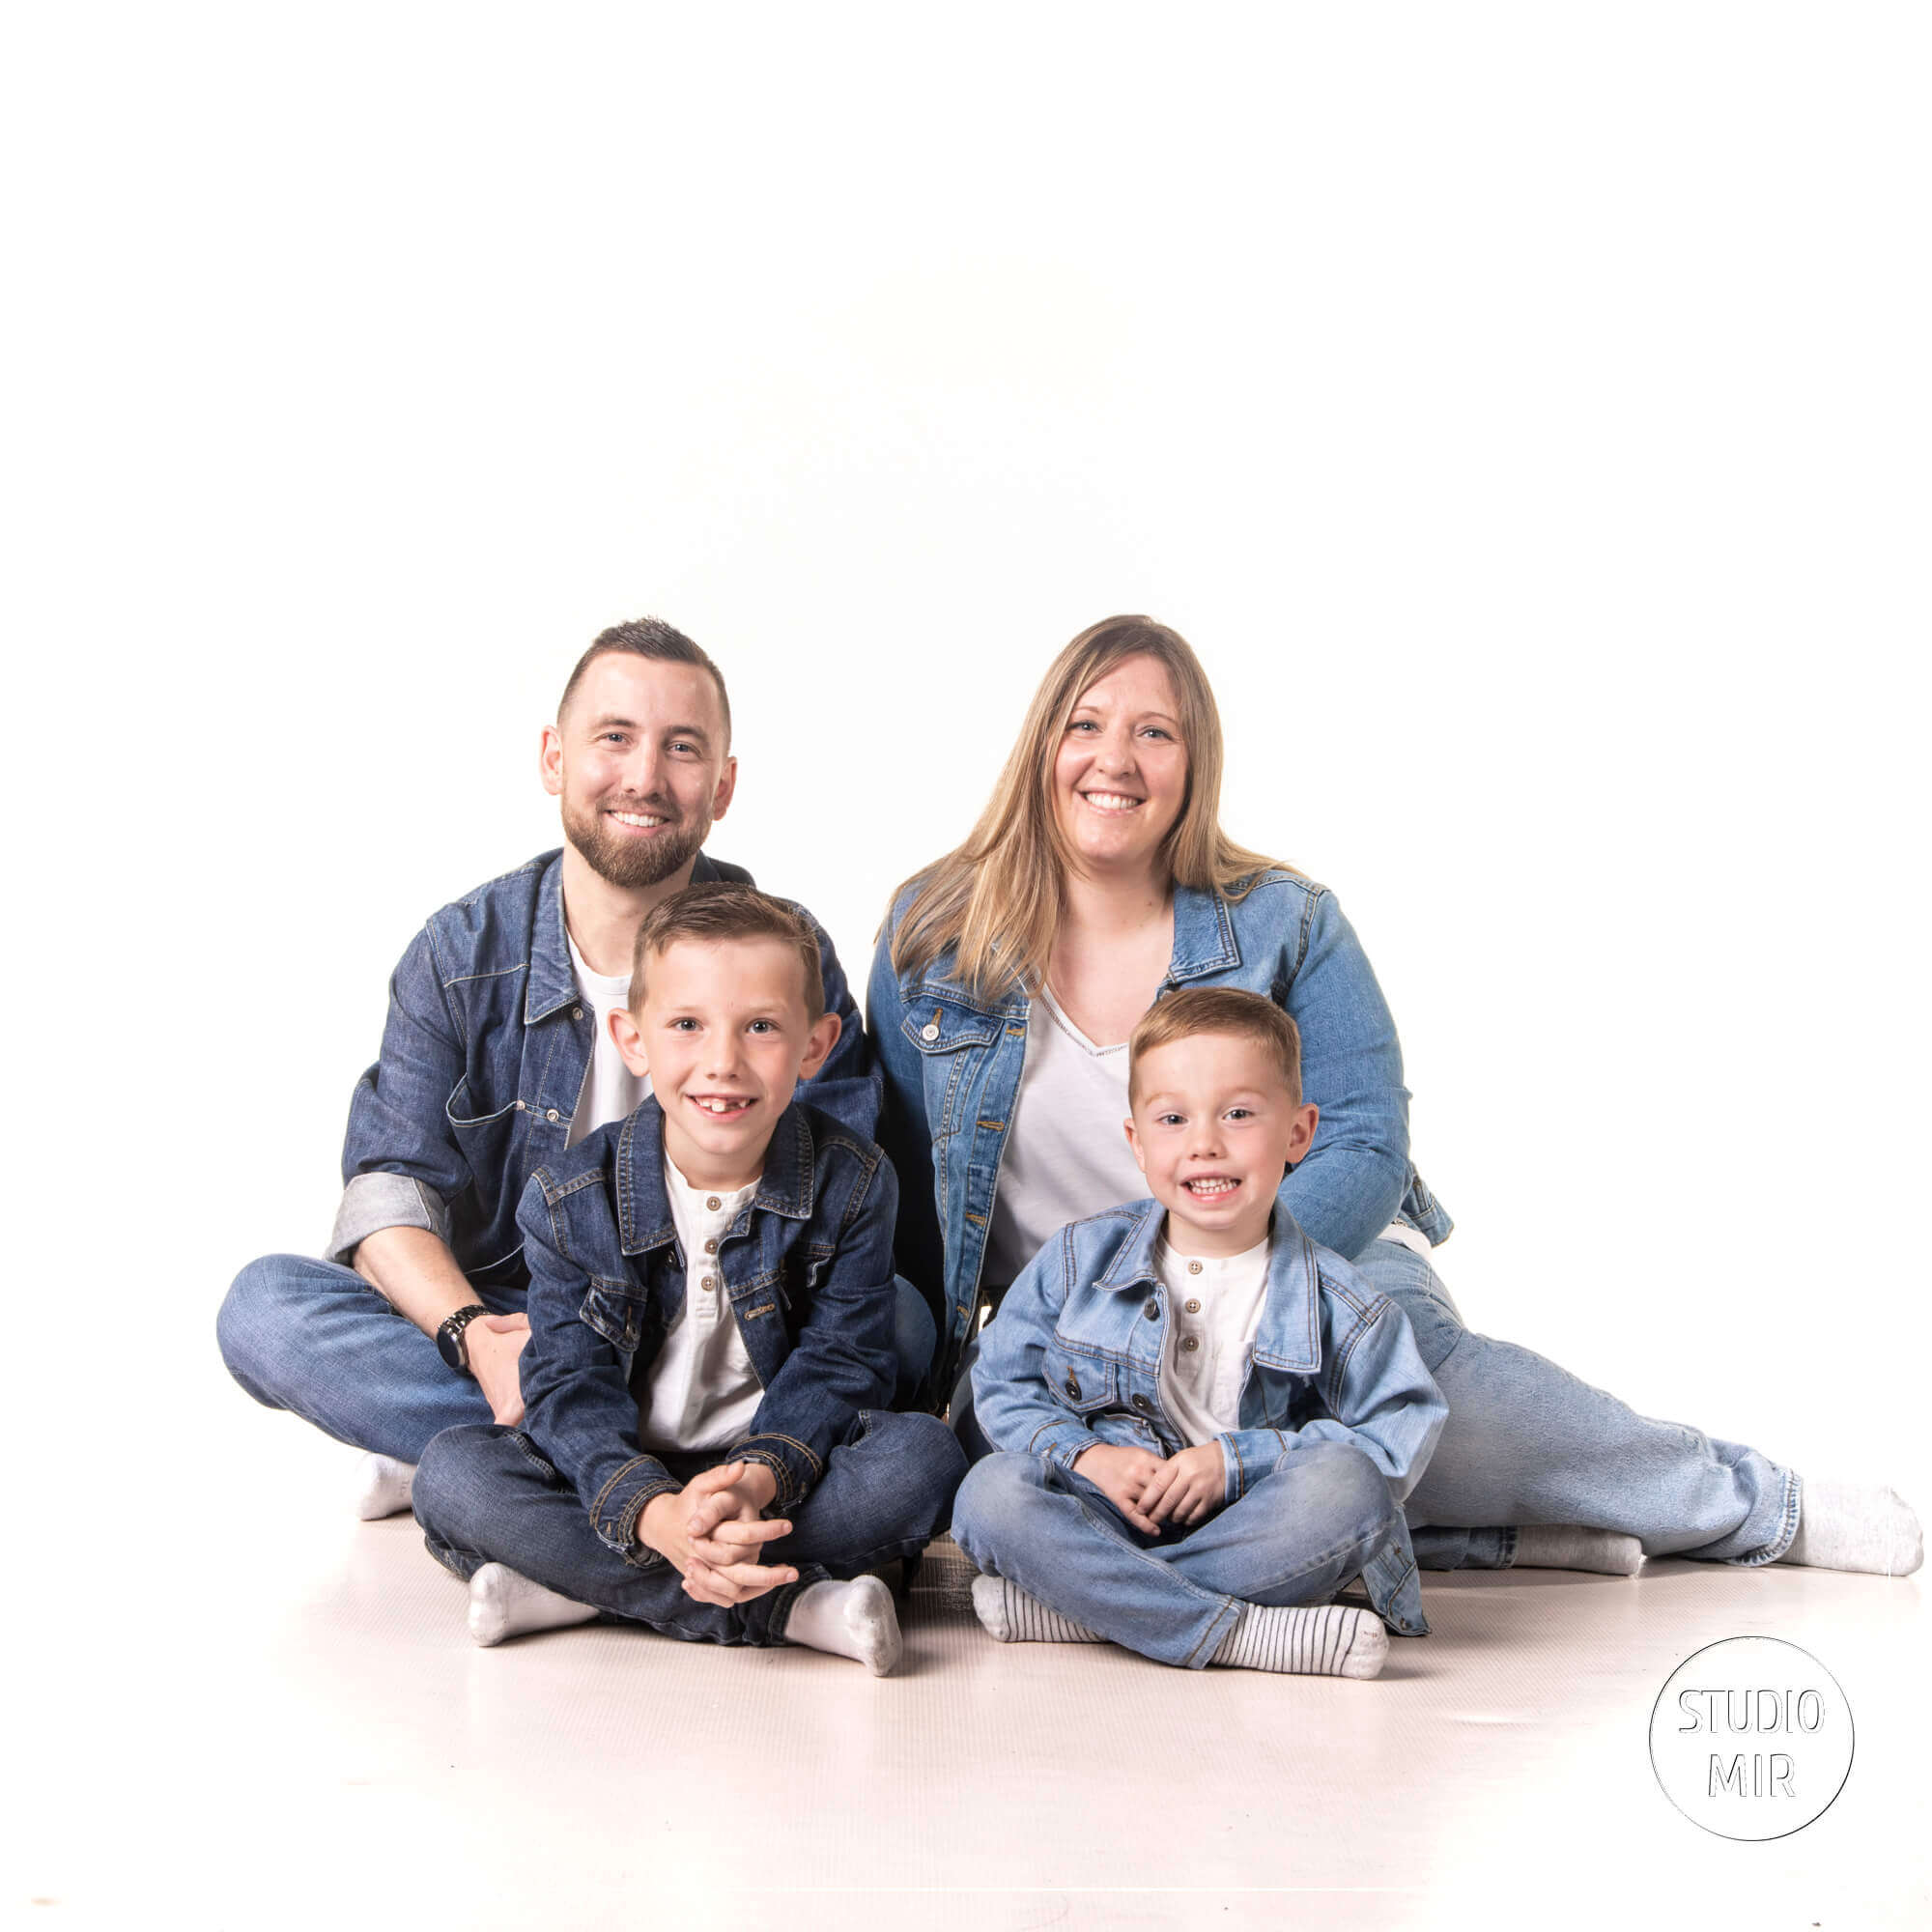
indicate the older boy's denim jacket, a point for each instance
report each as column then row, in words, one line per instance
column 483, row 1058
column 1073, row 1358
column 807, row 1266
column 952, row 1058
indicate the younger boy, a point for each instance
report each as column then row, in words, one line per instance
column 705, row 1446
column 1208, row 1422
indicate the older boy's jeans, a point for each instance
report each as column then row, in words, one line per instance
column 1296, row 1537
column 485, row 1494
column 1528, row 1443
column 316, row 1339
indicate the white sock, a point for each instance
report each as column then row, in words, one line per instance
column 384, row 1487
column 1012, row 1616
column 1309, row 1639
column 1569, row 1545
column 855, row 1620
column 1856, row 1526
column 504, row 1603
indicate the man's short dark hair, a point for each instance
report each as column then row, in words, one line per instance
column 721, row 911
column 653, row 639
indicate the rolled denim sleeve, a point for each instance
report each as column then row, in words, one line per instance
column 842, row 1358
column 578, row 1404
column 848, row 1086
column 1348, row 1189
column 401, row 1166
column 1014, row 1401
column 1381, row 1400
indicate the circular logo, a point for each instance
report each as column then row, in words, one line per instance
column 1752, row 1738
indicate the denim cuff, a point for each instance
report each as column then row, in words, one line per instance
column 1249, row 1455
column 372, row 1201
column 622, row 1500
column 1064, row 1443
column 791, row 1461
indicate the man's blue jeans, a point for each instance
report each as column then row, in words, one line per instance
column 1321, row 1513
column 485, row 1494
column 1528, row 1443
column 316, row 1339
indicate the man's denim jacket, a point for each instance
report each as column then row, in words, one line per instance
column 1073, row 1358
column 484, row 1054
column 807, row 1269
column 952, row 1058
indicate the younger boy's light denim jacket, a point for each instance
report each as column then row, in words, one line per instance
column 952, row 1058
column 807, row 1269
column 1072, row 1359
column 484, row 1053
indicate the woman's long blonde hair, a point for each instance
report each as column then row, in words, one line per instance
column 995, row 899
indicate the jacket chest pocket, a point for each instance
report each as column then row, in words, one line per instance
column 617, row 1311
column 1087, row 1384
column 946, row 1032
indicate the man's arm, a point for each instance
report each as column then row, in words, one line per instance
column 848, row 1086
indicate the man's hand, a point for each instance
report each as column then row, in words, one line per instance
column 1121, row 1476
column 1186, row 1487
column 711, row 1531
column 493, row 1343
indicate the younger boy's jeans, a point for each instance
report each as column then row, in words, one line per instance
column 315, row 1338
column 1296, row 1537
column 485, row 1495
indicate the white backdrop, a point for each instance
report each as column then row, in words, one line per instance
column 1523, row 410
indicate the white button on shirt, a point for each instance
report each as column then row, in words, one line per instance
column 1213, row 1312
column 703, row 1390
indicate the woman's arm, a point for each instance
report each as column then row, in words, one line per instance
column 1348, row 1189
column 905, row 1133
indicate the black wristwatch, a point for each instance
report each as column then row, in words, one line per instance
column 449, row 1342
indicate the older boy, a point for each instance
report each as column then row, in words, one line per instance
column 1208, row 1422
column 705, row 1446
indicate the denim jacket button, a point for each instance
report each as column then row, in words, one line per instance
column 1151, row 1311
column 1073, row 1387
column 1142, row 1403
column 549, row 1114
column 577, row 1013
column 929, row 1030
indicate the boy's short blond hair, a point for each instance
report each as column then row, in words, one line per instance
column 1222, row 1010
column 723, row 911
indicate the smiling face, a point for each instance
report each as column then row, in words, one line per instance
column 1214, row 1128
column 640, row 759
column 724, row 1034
column 1120, row 777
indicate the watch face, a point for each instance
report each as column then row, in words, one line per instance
column 449, row 1347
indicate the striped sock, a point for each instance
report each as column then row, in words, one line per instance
column 1311, row 1640
column 1013, row 1617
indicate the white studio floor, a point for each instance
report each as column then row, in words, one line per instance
column 263, row 1712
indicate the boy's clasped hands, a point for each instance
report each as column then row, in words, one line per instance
column 711, row 1529
column 1153, row 1490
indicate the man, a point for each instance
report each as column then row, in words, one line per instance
column 496, row 1056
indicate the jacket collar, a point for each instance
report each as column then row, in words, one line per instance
column 645, row 1218
column 1289, row 1335
column 552, row 983
column 1204, row 934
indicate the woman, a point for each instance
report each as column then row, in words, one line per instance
column 1004, row 986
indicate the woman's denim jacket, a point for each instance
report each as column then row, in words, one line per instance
column 1073, row 1358
column 952, row 1060
column 807, row 1269
column 483, row 1058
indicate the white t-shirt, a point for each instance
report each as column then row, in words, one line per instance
column 610, row 1090
column 1066, row 1156
column 1213, row 1311
column 703, row 1389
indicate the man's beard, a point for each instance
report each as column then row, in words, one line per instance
column 633, row 862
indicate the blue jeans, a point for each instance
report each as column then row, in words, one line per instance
column 485, row 1494
column 1528, row 1443
column 316, row 1339
column 1296, row 1537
